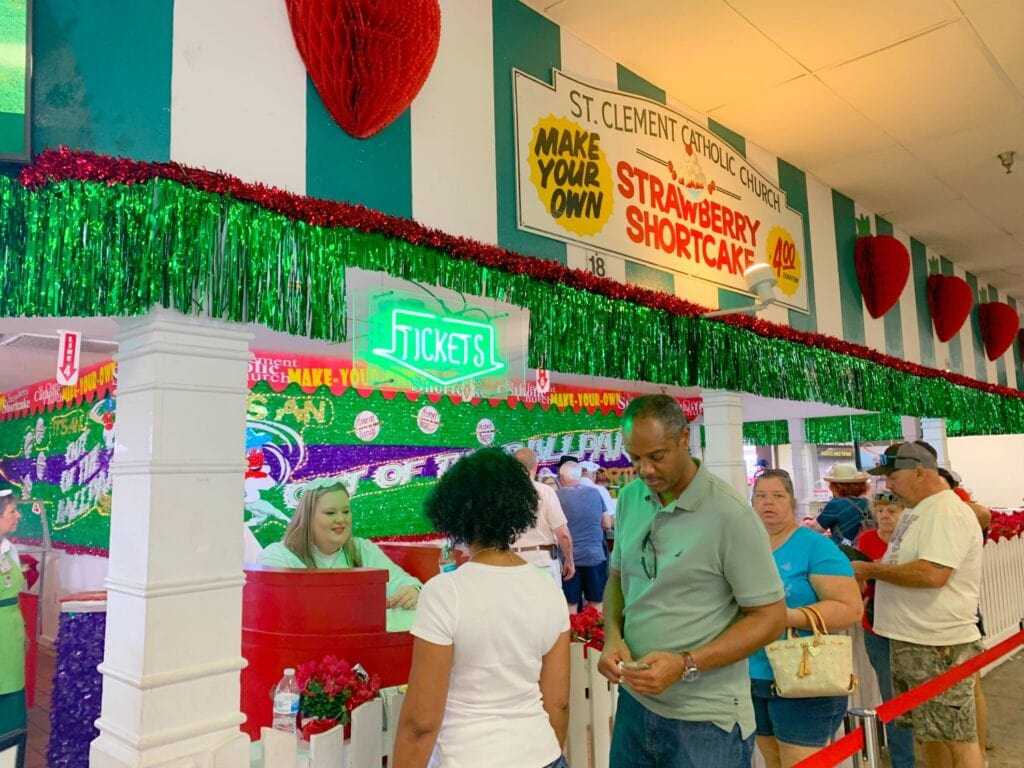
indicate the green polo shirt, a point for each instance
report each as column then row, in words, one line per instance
column 712, row 556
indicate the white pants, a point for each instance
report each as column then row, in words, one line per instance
column 555, row 567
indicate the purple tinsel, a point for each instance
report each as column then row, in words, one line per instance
column 77, row 689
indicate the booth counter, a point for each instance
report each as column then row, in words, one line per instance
column 292, row 616
column 419, row 558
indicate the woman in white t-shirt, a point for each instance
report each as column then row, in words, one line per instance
column 489, row 684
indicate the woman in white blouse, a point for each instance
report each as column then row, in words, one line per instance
column 489, row 684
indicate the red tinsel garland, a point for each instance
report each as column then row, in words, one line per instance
column 64, row 164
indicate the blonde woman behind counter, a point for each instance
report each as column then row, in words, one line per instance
column 320, row 536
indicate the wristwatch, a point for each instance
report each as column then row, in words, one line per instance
column 691, row 671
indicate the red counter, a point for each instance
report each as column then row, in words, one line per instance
column 416, row 558
column 291, row 616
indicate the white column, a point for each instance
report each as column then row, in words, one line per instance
column 174, row 590
column 911, row 428
column 695, row 447
column 801, row 466
column 723, row 437
column 933, row 431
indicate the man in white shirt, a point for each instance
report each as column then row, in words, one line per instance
column 535, row 545
column 926, row 599
column 589, row 477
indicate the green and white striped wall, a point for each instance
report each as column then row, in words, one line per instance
column 219, row 84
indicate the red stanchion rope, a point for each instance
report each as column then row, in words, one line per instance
column 850, row 744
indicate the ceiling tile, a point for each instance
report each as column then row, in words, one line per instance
column 945, row 227
column 935, row 84
column 977, row 147
column 821, row 34
column 989, row 253
column 886, row 181
column 1009, row 282
column 994, row 193
column 1000, row 25
column 819, row 128
column 668, row 43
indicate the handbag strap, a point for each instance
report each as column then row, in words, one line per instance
column 791, row 632
column 816, row 619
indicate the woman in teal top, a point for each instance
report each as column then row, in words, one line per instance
column 12, row 626
column 814, row 573
column 320, row 536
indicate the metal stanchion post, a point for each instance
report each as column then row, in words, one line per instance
column 868, row 718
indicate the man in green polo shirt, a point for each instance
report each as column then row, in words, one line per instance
column 693, row 591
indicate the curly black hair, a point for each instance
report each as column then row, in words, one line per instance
column 485, row 498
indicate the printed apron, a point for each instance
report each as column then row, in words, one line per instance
column 12, row 646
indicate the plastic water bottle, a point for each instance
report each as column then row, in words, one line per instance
column 286, row 702
column 446, row 560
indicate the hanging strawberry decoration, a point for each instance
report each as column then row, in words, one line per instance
column 883, row 266
column 999, row 326
column 949, row 302
column 367, row 58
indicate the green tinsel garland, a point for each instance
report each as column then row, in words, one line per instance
column 875, row 428
column 766, row 432
column 88, row 249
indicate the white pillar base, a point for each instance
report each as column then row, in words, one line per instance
column 723, row 435
column 172, row 652
column 802, row 480
column 911, row 427
column 933, row 432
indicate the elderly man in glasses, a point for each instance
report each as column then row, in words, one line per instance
column 692, row 592
column 926, row 600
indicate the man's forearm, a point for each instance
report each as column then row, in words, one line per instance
column 919, row 574
column 564, row 543
column 757, row 627
column 613, row 608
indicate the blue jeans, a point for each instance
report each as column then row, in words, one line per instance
column 559, row 763
column 642, row 739
column 809, row 722
column 900, row 740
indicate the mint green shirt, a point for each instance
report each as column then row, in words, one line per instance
column 713, row 556
column 279, row 556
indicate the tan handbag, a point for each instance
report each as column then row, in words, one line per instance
column 817, row 665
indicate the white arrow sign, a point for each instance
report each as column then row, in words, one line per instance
column 67, row 357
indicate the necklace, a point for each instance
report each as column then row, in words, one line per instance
column 485, row 549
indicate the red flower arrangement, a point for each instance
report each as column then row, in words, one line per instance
column 587, row 627
column 1006, row 525
column 329, row 690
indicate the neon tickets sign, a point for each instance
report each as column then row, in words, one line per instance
column 441, row 348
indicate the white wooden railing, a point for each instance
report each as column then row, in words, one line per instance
column 592, row 699
column 1002, row 589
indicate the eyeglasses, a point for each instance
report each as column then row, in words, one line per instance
column 774, row 473
column 886, row 497
column 650, row 569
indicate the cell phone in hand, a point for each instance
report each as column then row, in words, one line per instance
column 635, row 665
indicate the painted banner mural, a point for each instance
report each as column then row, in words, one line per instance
column 390, row 449
column 55, row 449
column 307, row 417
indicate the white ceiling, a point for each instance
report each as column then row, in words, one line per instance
column 903, row 106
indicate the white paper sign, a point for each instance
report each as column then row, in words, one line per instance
column 625, row 175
